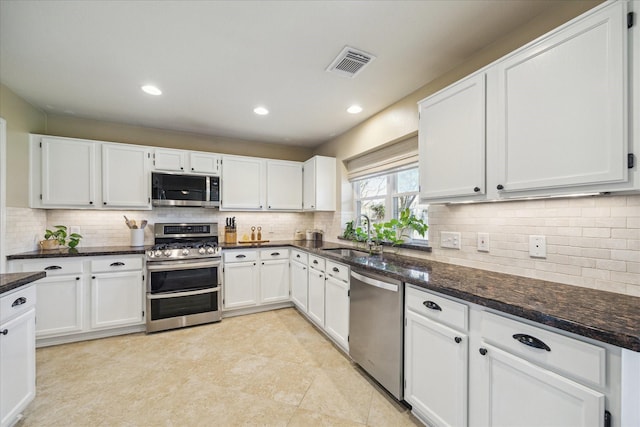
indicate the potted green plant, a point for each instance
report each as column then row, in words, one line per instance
column 407, row 223
column 54, row 239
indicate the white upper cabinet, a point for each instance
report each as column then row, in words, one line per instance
column 68, row 172
column 169, row 160
column 562, row 107
column 125, row 176
column 196, row 162
column 452, row 141
column 205, row 163
column 319, row 184
column 549, row 119
column 284, row 185
column 243, row 183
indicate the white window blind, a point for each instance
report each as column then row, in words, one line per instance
column 396, row 156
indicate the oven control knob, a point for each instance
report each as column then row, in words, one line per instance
column 158, row 253
column 202, row 251
column 210, row 250
column 185, row 251
column 167, row 253
column 151, row 254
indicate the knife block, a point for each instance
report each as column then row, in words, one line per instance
column 230, row 235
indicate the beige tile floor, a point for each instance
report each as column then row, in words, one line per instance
column 270, row 368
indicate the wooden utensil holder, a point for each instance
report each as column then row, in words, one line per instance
column 230, row 236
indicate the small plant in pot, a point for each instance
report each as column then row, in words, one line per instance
column 54, row 239
column 407, row 223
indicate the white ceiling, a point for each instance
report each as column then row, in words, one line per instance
column 216, row 60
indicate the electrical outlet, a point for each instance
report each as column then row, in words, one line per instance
column 450, row 239
column 483, row 242
column 537, row 246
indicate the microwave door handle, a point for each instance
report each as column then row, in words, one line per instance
column 207, row 189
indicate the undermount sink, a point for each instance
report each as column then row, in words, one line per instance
column 348, row 252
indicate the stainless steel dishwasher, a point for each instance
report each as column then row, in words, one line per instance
column 376, row 328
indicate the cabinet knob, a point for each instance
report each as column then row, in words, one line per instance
column 458, row 340
column 476, row 189
column 500, row 187
column 181, row 168
column 192, row 169
column 483, row 351
column 93, row 277
column 4, row 331
column 90, row 203
column 336, row 269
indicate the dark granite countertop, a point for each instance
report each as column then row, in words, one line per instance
column 11, row 281
column 604, row 316
column 81, row 251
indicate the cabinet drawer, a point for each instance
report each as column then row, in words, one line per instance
column 239, row 256
column 435, row 307
column 316, row 262
column 339, row 271
column 567, row 355
column 109, row 264
column 17, row 301
column 299, row 256
column 275, row 253
column 54, row 266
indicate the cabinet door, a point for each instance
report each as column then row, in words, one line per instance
column 169, row 160
column 242, row 180
column 240, row 284
column 517, row 392
column 436, row 360
column 309, row 185
column 562, row 107
column 17, row 365
column 284, row 185
column 204, row 163
column 451, row 140
column 68, row 172
column 299, row 285
column 316, row 296
column 274, row 281
column 336, row 319
column 116, row 299
column 125, row 176
column 59, row 308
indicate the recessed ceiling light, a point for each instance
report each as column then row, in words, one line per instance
column 354, row 109
column 151, row 90
column 261, row 111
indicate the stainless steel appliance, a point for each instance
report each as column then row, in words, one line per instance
column 376, row 328
column 183, row 276
column 185, row 190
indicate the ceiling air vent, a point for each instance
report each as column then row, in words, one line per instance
column 350, row 62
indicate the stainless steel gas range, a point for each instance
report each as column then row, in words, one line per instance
column 183, row 276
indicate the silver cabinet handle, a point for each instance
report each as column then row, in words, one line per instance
column 53, row 267
column 116, row 264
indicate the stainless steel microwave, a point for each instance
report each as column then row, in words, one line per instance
column 185, row 190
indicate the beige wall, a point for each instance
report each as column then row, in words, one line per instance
column 76, row 127
column 22, row 118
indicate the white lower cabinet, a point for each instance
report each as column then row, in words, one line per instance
column 116, row 299
column 274, row 275
column 299, row 280
column 517, row 392
column 317, row 281
column 436, row 359
column 254, row 278
column 336, row 315
column 87, row 297
column 17, row 353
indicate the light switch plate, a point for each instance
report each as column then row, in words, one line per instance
column 483, row 242
column 538, row 246
column 450, row 239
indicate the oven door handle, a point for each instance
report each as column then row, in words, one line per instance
column 183, row 294
column 186, row 266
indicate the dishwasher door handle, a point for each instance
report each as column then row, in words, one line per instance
column 374, row 282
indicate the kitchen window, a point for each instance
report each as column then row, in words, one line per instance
column 382, row 196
